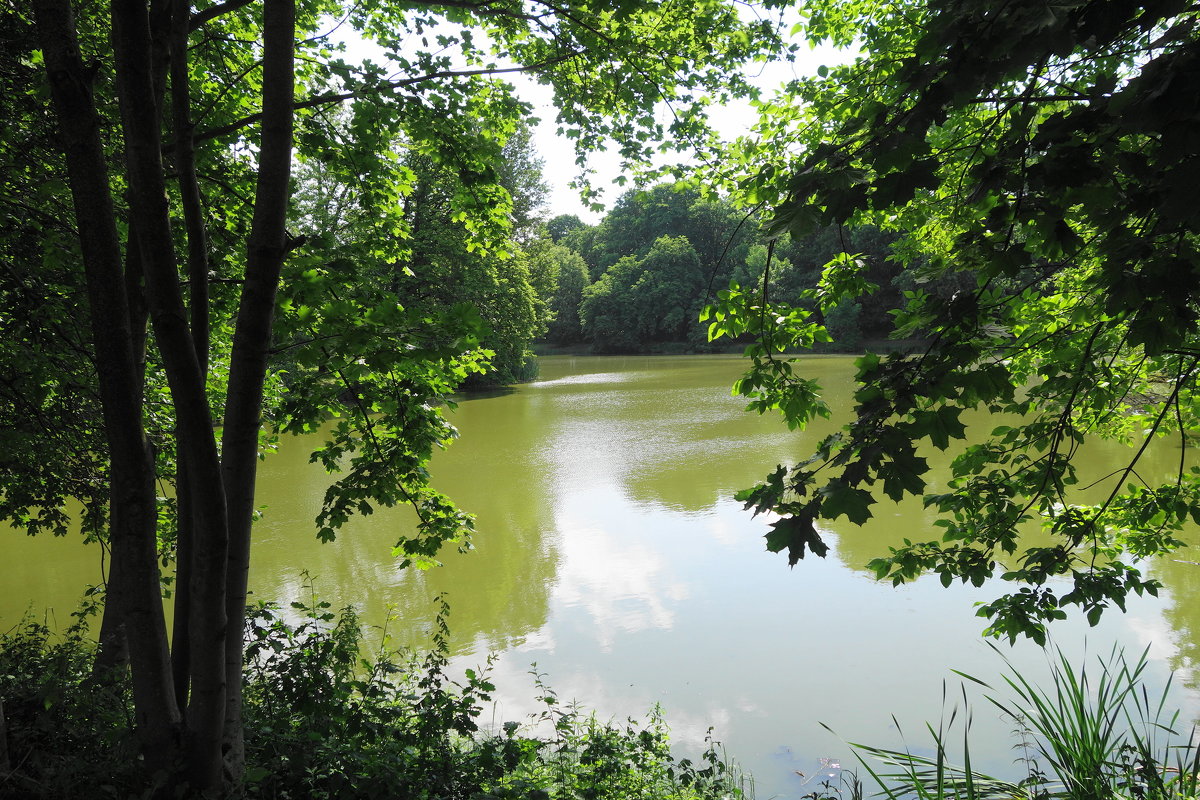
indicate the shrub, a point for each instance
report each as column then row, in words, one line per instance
column 68, row 730
column 322, row 721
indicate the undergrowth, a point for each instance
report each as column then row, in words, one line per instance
column 323, row 721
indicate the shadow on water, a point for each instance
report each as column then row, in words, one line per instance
column 484, row 393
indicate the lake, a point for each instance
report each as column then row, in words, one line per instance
column 610, row 553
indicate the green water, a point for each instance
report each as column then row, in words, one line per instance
column 609, row 552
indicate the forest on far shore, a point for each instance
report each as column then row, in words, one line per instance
column 636, row 281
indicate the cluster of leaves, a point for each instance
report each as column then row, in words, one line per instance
column 323, row 721
column 47, row 391
column 418, row 235
column 1035, row 155
column 64, row 726
column 371, row 375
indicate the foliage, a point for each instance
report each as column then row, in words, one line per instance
column 1035, row 156
column 637, row 297
column 419, row 247
column 597, row 760
column 1102, row 735
column 47, row 389
column 563, row 224
column 66, row 727
column 644, row 299
column 323, row 721
column 327, row 722
column 629, row 312
column 567, row 277
column 716, row 230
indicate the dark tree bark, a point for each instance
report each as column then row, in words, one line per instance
column 198, row 311
column 267, row 248
column 133, row 497
column 141, row 122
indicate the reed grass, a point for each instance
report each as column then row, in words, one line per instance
column 1093, row 732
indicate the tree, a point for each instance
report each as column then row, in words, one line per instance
column 178, row 128
column 648, row 299
column 639, row 218
column 562, row 288
column 618, row 256
column 563, row 224
column 520, row 173
column 1042, row 154
column 438, row 262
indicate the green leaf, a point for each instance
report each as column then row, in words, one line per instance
column 838, row 499
column 795, row 534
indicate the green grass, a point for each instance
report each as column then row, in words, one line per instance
column 1091, row 733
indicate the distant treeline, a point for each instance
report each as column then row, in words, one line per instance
column 636, row 282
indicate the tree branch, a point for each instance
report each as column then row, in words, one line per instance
column 200, row 18
column 339, row 97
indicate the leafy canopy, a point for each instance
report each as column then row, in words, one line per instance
column 1045, row 157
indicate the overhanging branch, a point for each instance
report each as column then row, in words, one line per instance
column 340, row 97
column 212, row 12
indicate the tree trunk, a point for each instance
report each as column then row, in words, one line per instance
column 114, row 644
column 133, row 498
column 198, row 310
column 181, row 650
column 141, row 123
column 266, row 250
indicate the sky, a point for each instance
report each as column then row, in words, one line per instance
column 730, row 121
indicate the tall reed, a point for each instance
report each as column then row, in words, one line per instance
column 1094, row 733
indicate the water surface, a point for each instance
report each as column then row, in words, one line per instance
column 609, row 552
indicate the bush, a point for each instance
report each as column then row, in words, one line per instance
column 69, row 732
column 324, row 722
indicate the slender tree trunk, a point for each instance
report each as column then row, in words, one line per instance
column 114, row 644
column 189, row 186
column 133, row 498
column 141, row 122
column 181, row 650
column 198, row 318
column 267, row 248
